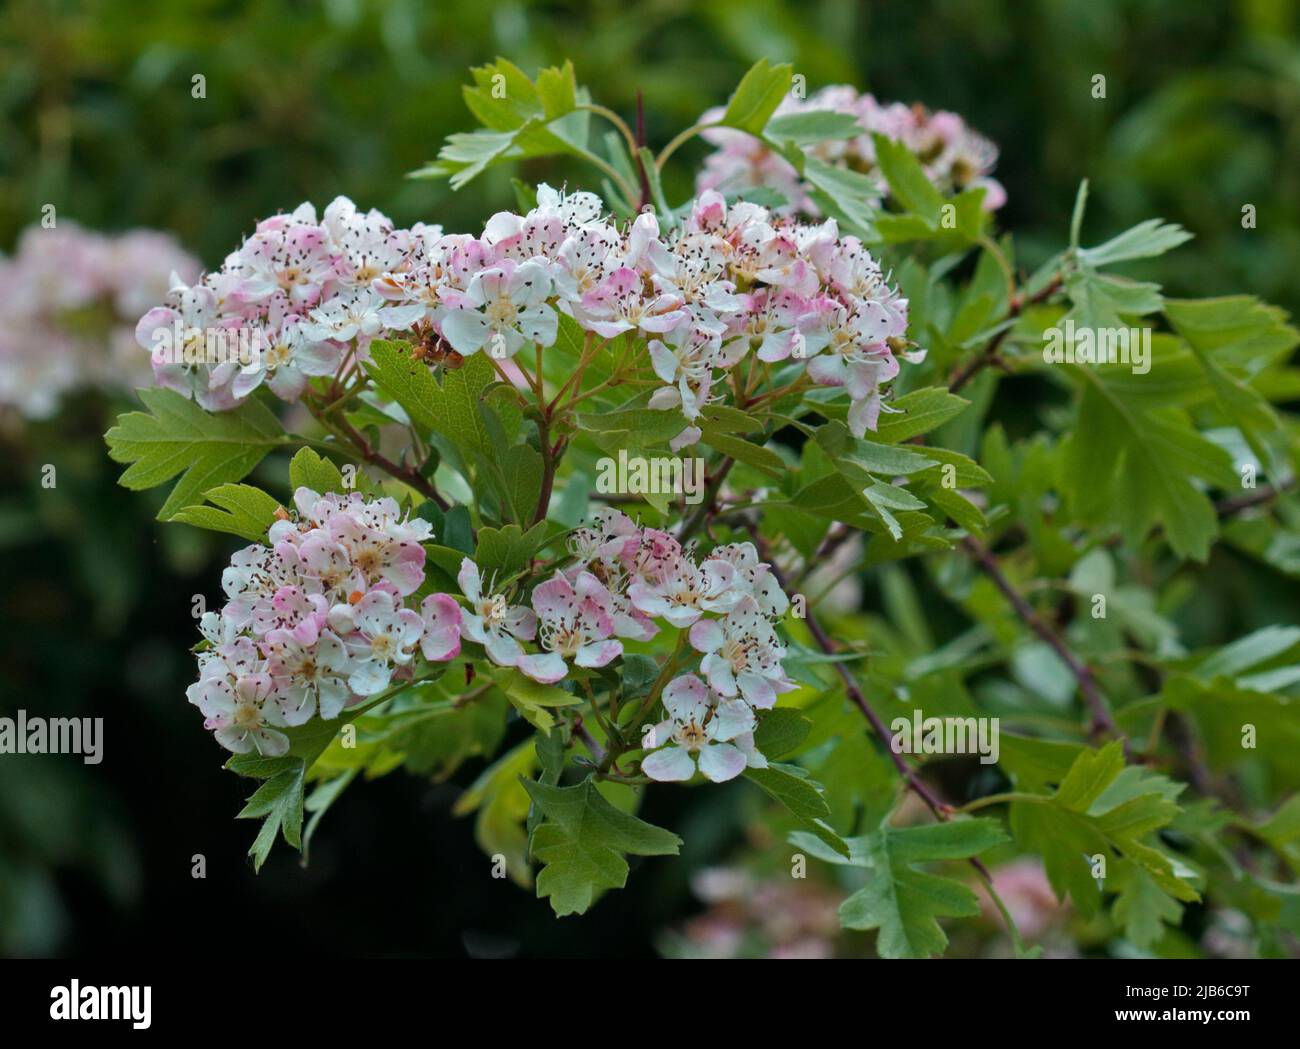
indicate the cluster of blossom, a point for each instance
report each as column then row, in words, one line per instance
column 309, row 296
column 322, row 616
column 955, row 157
column 624, row 577
column 68, row 301
column 318, row 619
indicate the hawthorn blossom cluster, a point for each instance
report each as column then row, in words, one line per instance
column 324, row 615
column 68, row 301
column 955, row 157
column 319, row 618
column 621, row 580
column 303, row 298
column 787, row 292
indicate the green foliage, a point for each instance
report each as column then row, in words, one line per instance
column 239, row 509
column 176, row 436
column 310, row 470
column 999, row 497
column 756, row 97
column 533, row 700
column 1100, row 811
column 583, row 843
column 899, row 900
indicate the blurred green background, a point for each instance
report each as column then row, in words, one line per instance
column 309, row 100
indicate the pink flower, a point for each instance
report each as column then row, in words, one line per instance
column 574, row 622
column 299, row 615
column 288, row 253
column 619, row 304
column 742, row 655
column 376, row 555
column 440, row 641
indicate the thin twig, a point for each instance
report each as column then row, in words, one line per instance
column 1259, row 497
column 701, row 513
column 989, row 355
column 371, row 455
column 854, row 691
column 1102, row 722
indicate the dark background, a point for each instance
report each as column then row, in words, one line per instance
column 309, row 100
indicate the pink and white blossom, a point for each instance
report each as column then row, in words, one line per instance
column 742, row 655
column 491, row 621
column 575, row 622
column 698, row 733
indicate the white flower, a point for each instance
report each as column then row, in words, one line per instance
column 241, row 712
column 506, row 306
column 687, row 592
column 492, row 623
column 308, row 678
column 387, row 638
column 359, row 314
column 698, row 731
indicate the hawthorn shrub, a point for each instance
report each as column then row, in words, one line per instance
column 601, row 467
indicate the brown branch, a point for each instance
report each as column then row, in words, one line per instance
column 1102, row 722
column 701, row 513
column 401, row 473
column 1259, row 497
column 990, row 352
column 855, row 693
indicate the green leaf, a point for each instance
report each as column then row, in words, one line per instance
column 501, row 802
column 278, row 803
column 583, row 843
column 918, row 412
column 1129, row 464
column 239, row 509
column 756, row 97
column 533, row 700
column 789, row 784
column 454, row 408
column 1144, row 241
column 818, row 125
column 508, row 550
column 1101, row 809
column 520, row 119
column 1235, row 339
column 557, row 90
column 901, row 901
column 646, row 426
column 521, row 468
column 307, row 469
column 884, row 498
column 1101, row 301
column 780, row 731
column 908, row 184
column 1142, row 906
column 871, row 456
column 849, row 196
column 177, row 435
column 756, row 455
